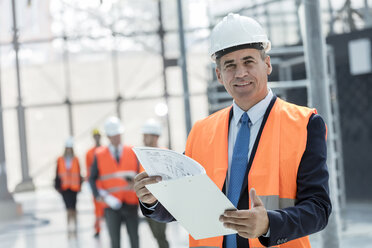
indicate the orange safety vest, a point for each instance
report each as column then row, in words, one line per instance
column 112, row 175
column 273, row 172
column 89, row 159
column 70, row 178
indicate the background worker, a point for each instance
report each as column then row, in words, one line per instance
column 151, row 131
column 114, row 167
column 68, row 183
column 268, row 156
column 89, row 158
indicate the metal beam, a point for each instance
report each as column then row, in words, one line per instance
column 161, row 34
column 26, row 183
column 319, row 93
column 4, row 193
column 66, row 69
column 183, row 64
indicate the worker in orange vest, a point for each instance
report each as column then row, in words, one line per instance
column 267, row 155
column 115, row 167
column 98, row 206
column 151, row 131
column 68, row 183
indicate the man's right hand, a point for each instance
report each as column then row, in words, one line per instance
column 143, row 194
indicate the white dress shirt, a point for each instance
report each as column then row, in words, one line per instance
column 68, row 162
column 112, row 150
column 255, row 114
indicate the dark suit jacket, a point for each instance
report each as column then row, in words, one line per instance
column 313, row 205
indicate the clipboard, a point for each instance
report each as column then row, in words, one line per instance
column 196, row 203
column 186, row 191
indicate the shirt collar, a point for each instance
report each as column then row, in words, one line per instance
column 256, row 112
column 112, row 148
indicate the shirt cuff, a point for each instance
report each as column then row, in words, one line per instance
column 146, row 206
column 267, row 235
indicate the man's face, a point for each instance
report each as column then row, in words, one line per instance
column 150, row 139
column 97, row 138
column 69, row 151
column 115, row 140
column 244, row 75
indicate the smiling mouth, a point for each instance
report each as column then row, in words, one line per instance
column 243, row 84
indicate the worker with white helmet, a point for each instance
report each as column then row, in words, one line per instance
column 151, row 131
column 68, row 183
column 268, row 156
column 111, row 179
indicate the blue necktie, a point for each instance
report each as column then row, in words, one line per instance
column 238, row 168
column 117, row 157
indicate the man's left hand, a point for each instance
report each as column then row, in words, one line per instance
column 250, row 223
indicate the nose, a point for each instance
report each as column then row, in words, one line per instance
column 241, row 71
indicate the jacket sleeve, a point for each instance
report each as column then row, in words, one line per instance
column 93, row 177
column 57, row 180
column 313, row 205
column 159, row 213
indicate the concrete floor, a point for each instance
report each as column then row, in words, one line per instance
column 44, row 225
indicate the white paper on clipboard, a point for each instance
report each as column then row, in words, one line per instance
column 167, row 163
column 194, row 200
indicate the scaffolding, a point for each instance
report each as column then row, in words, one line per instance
column 265, row 11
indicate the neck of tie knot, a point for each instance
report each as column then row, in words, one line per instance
column 244, row 119
column 117, row 154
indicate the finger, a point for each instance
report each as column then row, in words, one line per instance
column 140, row 176
column 239, row 214
column 139, row 184
column 142, row 191
column 148, row 199
column 236, row 227
column 145, row 196
column 143, row 175
column 255, row 200
column 238, row 221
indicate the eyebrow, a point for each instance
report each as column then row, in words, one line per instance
column 248, row 57
column 228, row 62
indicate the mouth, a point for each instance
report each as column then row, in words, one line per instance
column 242, row 84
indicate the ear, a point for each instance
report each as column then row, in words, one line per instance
column 219, row 76
column 269, row 68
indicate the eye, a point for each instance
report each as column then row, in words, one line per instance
column 229, row 66
column 249, row 62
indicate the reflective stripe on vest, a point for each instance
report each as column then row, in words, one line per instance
column 117, row 189
column 70, row 178
column 111, row 174
column 272, row 202
column 273, row 171
column 119, row 174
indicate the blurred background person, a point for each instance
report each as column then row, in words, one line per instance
column 151, row 131
column 98, row 206
column 114, row 167
column 68, row 183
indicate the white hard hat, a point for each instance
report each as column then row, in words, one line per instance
column 113, row 126
column 236, row 30
column 69, row 143
column 152, row 126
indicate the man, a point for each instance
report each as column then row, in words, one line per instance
column 114, row 167
column 268, row 156
column 151, row 131
column 89, row 158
